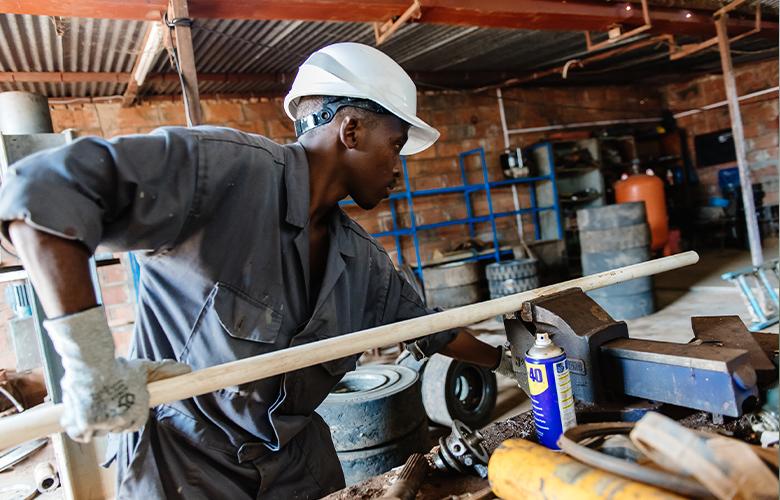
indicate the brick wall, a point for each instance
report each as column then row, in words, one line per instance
column 759, row 117
column 466, row 121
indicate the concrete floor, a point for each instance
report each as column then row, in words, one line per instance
column 695, row 290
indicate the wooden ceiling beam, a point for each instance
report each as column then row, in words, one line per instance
column 571, row 15
column 149, row 48
column 278, row 81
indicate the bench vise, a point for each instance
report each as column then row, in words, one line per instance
column 717, row 372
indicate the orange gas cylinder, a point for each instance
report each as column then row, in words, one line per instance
column 650, row 189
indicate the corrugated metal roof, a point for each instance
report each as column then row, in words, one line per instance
column 32, row 43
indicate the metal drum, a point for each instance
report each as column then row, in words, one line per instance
column 615, row 236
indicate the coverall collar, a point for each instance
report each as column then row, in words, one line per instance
column 296, row 180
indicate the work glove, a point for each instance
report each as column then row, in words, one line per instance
column 102, row 393
column 504, row 366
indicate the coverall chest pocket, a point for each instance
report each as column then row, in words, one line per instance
column 232, row 326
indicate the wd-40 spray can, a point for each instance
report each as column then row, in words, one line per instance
column 551, row 394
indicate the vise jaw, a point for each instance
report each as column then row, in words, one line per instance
column 578, row 325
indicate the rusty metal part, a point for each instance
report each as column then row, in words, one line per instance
column 409, row 479
column 462, row 451
column 616, row 35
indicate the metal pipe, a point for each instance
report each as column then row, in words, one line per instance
column 754, row 237
column 719, row 104
column 505, row 131
column 529, row 130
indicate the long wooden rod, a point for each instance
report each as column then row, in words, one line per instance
column 41, row 422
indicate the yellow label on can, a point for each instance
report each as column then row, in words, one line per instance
column 537, row 378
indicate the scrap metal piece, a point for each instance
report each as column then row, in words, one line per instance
column 462, row 451
column 714, row 379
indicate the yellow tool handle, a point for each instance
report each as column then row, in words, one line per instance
column 520, row 470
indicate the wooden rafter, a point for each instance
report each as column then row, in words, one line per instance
column 571, row 15
column 151, row 45
column 179, row 17
column 278, row 80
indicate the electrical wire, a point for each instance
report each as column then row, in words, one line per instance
column 176, row 63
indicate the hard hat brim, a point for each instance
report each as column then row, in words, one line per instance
column 421, row 135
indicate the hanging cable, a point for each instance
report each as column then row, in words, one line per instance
column 173, row 58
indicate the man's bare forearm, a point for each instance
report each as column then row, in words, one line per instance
column 467, row 348
column 57, row 267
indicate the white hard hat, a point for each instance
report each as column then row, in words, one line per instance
column 359, row 71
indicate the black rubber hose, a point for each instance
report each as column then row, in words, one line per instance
column 570, row 444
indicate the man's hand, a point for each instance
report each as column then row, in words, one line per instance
column 102, row 393
column 504, row 366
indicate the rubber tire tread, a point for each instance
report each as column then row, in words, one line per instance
column 511, row 269
column 368, row 420
column 359, row 465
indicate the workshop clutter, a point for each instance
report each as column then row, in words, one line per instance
column 655, row 457
column 376, row 419
column 614, row 236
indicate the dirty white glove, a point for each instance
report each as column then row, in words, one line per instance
column 102, row 393
column 504, row 366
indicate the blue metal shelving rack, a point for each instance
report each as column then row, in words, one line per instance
column 466, row 189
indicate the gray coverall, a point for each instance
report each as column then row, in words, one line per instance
column 219, row 221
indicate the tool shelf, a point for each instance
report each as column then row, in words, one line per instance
column 543, row 196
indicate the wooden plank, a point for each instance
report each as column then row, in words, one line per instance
column 63, row 77
column 178, row 10
column 150, row 46
column 573, row 15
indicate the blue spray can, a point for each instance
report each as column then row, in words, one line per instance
column 552, row 398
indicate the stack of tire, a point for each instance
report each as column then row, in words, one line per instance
column 452, row 285
column 512, row 276
column 615, row 236
column 376, row 419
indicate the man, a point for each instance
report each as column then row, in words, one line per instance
column 244, row 251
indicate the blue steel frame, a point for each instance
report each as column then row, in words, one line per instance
column 466, row 189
